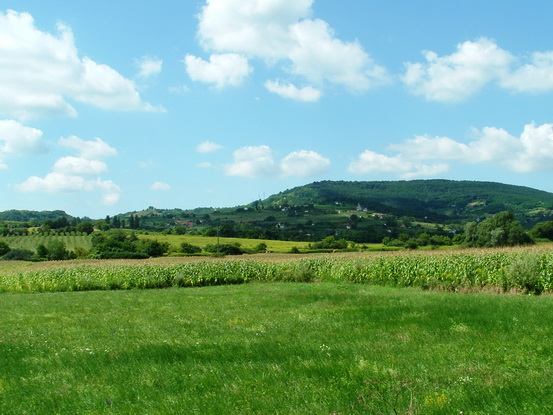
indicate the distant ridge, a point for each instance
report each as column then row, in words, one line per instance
column 28, row 215
column 435, row 199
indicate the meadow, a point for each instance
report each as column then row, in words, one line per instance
column 30, row 242
column 353, row 333
column 71, row 242
column 326, row 348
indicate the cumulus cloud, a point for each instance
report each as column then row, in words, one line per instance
column 160, row 186
column 536, row 76
column 287, row 90
column 79, row 166
column 258, row 162
column 371, row 162
column 89, row 149
column 456, row 77
column 227, row 69
column 304, row 163
column 57, row 183
column 18, row 139
column 252, row 162
column 531, row 151
column 148, row 66
column 208, row 147
column 40, row 72
column 71, row 174
column 283, row 32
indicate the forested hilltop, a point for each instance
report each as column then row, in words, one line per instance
column 435, row 200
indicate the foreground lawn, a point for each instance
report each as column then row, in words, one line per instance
column 275, row 349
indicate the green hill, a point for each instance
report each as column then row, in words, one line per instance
column 363, row 212
column 433, row 200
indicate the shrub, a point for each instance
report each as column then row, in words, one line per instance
column 261, row 247
column 225, row 249
column 524, row 273
column 4, row 248
column 18, row 255
column 190, row 249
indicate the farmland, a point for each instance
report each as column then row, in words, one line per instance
column 85, row 241
column 515, row 269
column 30, row 242
column 420, row 332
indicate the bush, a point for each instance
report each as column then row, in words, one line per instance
column 4, row 248
column 18, row 255
column 189, row 249
column 56, row 250
column 524, row 273
column 261, row 247
column 225, row 249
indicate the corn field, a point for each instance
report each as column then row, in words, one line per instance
column 503, row 271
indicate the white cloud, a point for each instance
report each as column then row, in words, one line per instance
column 537, row 153
column 287, row 90
column 258, row 162
column 455, row 77
column 67, row 175
column 304, row 163
column 79, row 166
column 148, row 66
column 424, row 147
column 228, row 69
column 252, row 162
column 18, row 139
column 208, row 147
column 317, row 55
column 371, row 162
column 96, row 149
column 536, row 76
column 252, row 27
column 160, row 186
column 532, row 151
column 40, row 72
column 59, row 183
column 282, row 31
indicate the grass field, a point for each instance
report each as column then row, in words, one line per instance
column 321, row 348
column 71, row 242
column 201, row 241
column 32, row 241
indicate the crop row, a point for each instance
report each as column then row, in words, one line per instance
column 521, row 271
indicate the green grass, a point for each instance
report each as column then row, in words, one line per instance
column 275, row 349
column 32, row 241
column 201, row 241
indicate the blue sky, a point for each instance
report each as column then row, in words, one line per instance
column 113, row 106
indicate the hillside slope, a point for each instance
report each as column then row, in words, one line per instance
column 436, row 200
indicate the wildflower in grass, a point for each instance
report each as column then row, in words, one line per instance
column 436, row 400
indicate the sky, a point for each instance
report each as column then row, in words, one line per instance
column 109, row 107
